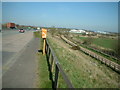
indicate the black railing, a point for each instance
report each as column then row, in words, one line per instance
column 53, row 63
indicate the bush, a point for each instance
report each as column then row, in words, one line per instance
column 88, row 41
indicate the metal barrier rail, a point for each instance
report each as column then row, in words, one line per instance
column 109, row 63
column 53, row 60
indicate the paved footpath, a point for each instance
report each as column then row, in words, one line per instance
column 22, row 73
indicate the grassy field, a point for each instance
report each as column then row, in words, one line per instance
column 103, row 42
column 108, row 57
column 82, row 70
column 43, row 80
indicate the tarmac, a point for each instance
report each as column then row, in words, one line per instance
column 23, row 73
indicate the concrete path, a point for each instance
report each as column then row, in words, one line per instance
column 22, row 74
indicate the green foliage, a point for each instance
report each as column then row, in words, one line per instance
column 88, row 41
column 37, row 34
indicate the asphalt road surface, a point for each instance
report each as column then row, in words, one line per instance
column 12, row 43
column 19, row 60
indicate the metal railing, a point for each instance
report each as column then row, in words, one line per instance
column 53, row 63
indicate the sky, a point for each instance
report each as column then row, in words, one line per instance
column 96, row 16
column 60, row 0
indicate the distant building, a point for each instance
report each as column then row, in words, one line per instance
column 102, row 32
column 89, row 32
column 77, row 31
column 38, row 28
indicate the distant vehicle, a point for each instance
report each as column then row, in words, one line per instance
column 21, row 31
column 11, row 25
column 36, row 30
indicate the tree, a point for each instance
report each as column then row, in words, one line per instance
column 4, row 26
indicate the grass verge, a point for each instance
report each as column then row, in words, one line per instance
column 43, row 73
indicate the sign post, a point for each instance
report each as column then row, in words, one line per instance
column 44, row 32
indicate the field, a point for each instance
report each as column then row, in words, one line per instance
column 102, row 42
column 82, row 70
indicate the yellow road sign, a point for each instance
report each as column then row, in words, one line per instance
column 44, row 33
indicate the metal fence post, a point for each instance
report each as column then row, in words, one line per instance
column 46, row 47
column 51, row 62
column 49, row 55
column 56, row 77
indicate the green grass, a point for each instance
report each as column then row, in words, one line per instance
column 79, row 71
column 43, row 73
column 103, row 42
column 61, row 82
column 37, row 34
column 74, row 75
column 106, row 56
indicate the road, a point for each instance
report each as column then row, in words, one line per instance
column 18, row 59
column 9, row 32
column 12, row 43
